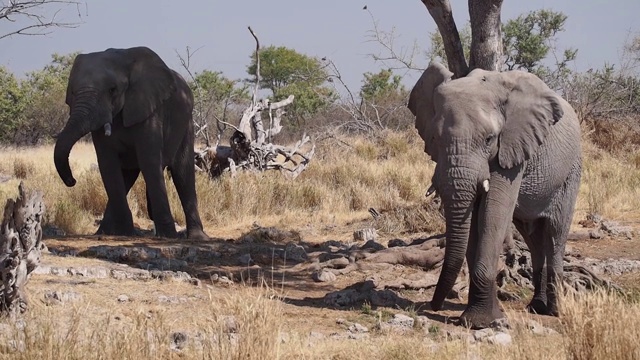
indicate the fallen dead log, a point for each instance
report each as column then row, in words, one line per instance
column 21, row 247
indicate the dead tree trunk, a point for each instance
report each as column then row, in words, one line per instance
column 21, row 246
column 250, row 145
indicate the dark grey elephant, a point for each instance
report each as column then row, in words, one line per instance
column 507, row 149
column 139, row 114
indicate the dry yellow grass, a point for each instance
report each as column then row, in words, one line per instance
column 345, row 178
column 593, row 326
column 339, row 186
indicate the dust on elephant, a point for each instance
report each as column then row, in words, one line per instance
column 139, row 113
column 507, row 148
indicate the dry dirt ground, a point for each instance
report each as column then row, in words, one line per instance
column 124, row 277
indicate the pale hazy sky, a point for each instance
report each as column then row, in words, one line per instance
column 334, row 28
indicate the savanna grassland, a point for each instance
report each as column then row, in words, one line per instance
column 275, row 319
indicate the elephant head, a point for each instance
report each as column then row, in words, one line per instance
column 116, row 87
column 472, row 126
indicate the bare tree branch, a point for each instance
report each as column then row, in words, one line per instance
column 12, row 10
column 441, row 13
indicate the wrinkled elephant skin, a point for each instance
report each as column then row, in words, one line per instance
column 507, row 148
column 139, row 114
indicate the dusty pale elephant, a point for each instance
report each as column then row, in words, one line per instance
column 139, row 113
column 507, row 148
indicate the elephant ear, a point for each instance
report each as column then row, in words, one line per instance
column 530, row 110
column 421, row 101
column 151, row 82
column 72, row 75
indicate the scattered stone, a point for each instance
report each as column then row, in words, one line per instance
column 612, row 266
column 61, row 297
column 341, row 321
column 490, row 336
column 295, row 252
column 596, row 234
column 614, row 229
column 123, row 298
column 538, row 329
column 356, row 328
column 460, row 335
column 500, row 324
column 323, row 275
column 221, row 279
column 396, row 243
column 401, row 322
column 501, row 338
column 178, row 340
column 368, row 234
column 172, row 299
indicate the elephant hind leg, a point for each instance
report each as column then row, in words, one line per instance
column 184, row 179
column 533, row 234
column 152, row 171
column 557, row 229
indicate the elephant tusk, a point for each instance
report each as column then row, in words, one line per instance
column 485, row 185
column 107, row 129
column 430, row 191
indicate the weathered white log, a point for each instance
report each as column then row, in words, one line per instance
column 20, row 247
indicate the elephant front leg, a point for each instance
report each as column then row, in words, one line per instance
column 110, row 220
column 117, row 218
column 494, row 219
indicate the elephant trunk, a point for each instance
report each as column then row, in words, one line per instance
column 77, row 126
column 458, row 196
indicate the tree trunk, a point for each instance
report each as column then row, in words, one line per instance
column 441, row 13
column 486, row 34
column 20, row 247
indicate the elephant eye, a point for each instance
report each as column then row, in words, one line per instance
column 113, row 90
column 489, row 139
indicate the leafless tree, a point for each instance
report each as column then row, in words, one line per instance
column 251, row 146
column 30, row 19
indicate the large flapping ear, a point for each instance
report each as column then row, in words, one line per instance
column 421, row 99
column 530, row 110
column 150, row 83
column 72, row 76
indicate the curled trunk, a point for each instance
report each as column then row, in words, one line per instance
column 77, row 126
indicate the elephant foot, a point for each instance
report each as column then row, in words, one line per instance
column 197, row 234
column 480, row 319
column 538, row 306
column 115, row 231
column 168, row 231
